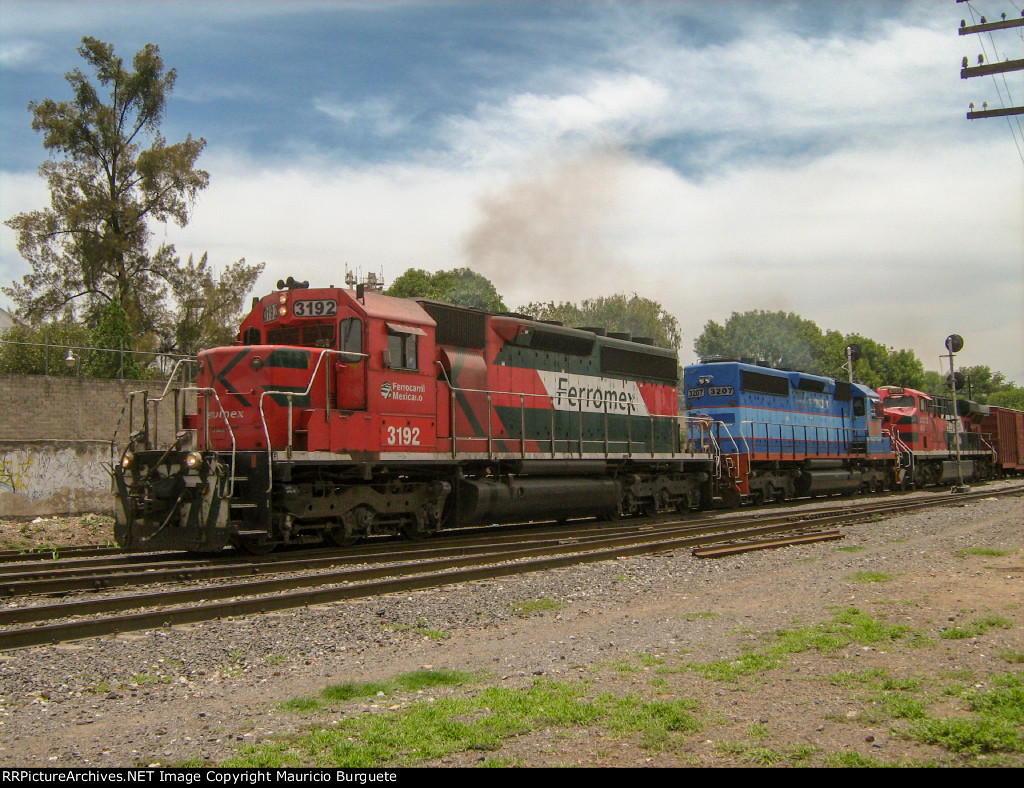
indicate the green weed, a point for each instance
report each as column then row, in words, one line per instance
column 994, row 552
column 530, row 606
column 995, row 723
column 976, row 628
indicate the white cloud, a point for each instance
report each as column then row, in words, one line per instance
column 374, row 117
column 17, row 54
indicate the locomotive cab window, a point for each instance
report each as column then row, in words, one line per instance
column 350, row 335
column 251, row 336
column 403, row 347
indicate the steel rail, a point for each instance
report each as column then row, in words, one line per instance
column 767, row 544
column 194, row 605
column 83, row 574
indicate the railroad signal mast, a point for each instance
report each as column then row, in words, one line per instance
column 982, row 68
column 954, row 344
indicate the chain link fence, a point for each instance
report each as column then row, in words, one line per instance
column 84, row 361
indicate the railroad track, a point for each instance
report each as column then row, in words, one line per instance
column 308, row 580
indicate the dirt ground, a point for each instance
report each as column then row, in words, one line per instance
column 638, row 628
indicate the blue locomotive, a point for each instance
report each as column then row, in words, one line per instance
column 786, row 434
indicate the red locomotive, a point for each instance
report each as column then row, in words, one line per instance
column 932, row 436
column 346, row 413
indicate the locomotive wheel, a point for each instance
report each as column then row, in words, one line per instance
column 338, row 536
column 423, row 524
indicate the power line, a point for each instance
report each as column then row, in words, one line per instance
column 992, row 66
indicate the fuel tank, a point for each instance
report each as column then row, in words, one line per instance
column 487, row 501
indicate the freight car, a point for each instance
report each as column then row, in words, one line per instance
column 785, row 434
column 933, row 435
column 1003, row 428
column 342, row 414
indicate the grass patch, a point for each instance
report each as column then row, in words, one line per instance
column 869, row 577
column 1013, row 656
column 847, row 626
column 732, row 670
column 850, row 549
column 995, row 722
column 530, row 606
column 988, row 551
column 765, row 756
column 976, row 628
column 421, row 628
column 425, row 731
column 408, row 682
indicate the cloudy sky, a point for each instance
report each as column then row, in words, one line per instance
column 715, row 156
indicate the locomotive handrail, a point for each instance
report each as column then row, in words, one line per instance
column 902, row 449
column 205, row 390
column 147, row 400
column 206, row 431
column 844, row 439
column 605, row 439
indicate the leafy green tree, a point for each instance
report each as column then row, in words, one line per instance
column 633, row 314
column 782, row 339
column 41, row 349
column 878, row 365
column 110, row 174
column 1012, row 397
column 208, row 308
column 112, row 333
column 460, row 286
column 981, row 384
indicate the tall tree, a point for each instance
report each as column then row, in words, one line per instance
column 208, row 308
column 634, row 314
column 878, row 365
column 110, row 174
column 461, row 286
column 782, row 339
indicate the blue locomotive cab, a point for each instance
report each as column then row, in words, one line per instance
column 787, row 422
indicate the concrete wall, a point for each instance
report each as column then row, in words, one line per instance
column 54, row 477
column 56, row 434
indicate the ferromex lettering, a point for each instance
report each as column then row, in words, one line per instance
column 592, row 394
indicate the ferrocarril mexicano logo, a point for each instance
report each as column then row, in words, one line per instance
column 591, row 394
column 403, row 391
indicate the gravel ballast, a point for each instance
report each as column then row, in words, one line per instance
column 197, row 693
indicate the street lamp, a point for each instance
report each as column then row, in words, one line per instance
column 70, row 359
column 954, row 344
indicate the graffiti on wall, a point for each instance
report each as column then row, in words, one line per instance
column 38, row 472
column 14, row 474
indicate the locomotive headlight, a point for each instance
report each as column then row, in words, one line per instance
column 126, row 460
column 193, row 460
column 283, row 298
column 282, row 311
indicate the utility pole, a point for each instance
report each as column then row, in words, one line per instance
column 985, row 69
